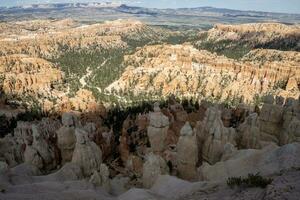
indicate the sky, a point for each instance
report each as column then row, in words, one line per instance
column 287, row 6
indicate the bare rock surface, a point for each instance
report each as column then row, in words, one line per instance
column 66, row 138
column 158, row 129
column 154, row 166
column 86, row 154
column 187, row 153
column 267, row 161
column 216, row 136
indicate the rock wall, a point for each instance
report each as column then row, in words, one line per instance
column 185, row 71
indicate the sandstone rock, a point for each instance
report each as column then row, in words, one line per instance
column 86, row 153
column 124, row 148
column 289, row 124
column 187, row 153
column 229, row 151
column 152, row 168
column 268, row 161
column 256, row 35
column 249, row 133
column 24, row 74
column 32, row 157
column 125, row 140
column 101, row 177
column 179, row 113
column 69, row 172
column 135, row 164
column 66, row 139
column 10, row 151
column 153, row 69
column 158, row 129
column 170, row 156
column 226, row 117
column 91, row 129
column 171, row 187
column 69, row 120
column 292, row 84
column 44, row 150
column 293, row 131
column 269, row 120
column 217, row 136
column 25, row 170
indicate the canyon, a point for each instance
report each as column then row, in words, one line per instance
column 127, row 110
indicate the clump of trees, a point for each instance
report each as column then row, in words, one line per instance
column 224, row 47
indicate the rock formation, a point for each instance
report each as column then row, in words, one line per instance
column 269, row 120
column 101, row 177
column 267, row 161
column 183, row 70
column 43, row 149
column 28, row 75
column 153, row 167
column 158, row 129
column 216, row 136
column 32, row 156
column 86, row 153
column 249, row 133
column 10, row 151
column 187, row 153
column 272, row 35
column 66, row 138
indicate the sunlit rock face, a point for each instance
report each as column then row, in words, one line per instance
column 185, row 71
column 266, row 35
column 29, row 50
column 25, row 74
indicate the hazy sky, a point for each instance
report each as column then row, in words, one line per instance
column 288, row 6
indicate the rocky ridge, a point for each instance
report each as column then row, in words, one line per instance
column 185, row 71
column 257, row 35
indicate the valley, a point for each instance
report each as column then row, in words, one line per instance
column 140, row 103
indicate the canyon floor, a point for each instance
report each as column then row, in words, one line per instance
column 127, row 109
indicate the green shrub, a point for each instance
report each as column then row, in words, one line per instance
column 253, row 180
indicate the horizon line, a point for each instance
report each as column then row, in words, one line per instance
column 57, row 3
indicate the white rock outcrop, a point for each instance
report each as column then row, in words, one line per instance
column 267, row 161
column 86, row 153
column 187, row 153
column 158, row 129
column 154, row 166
